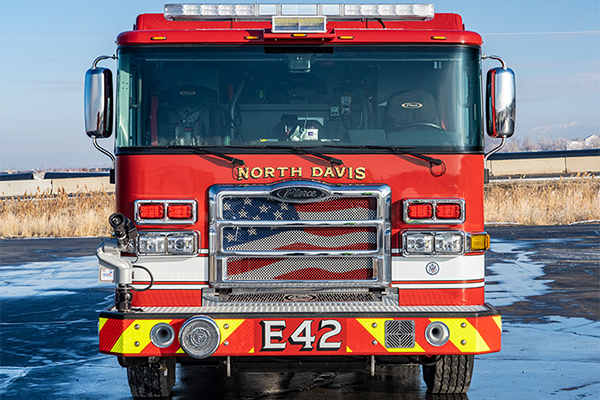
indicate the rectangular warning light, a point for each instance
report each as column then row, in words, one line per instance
column 299, row 24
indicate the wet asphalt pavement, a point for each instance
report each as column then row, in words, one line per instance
column 545, row 280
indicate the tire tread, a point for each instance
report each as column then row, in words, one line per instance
column 451, row 374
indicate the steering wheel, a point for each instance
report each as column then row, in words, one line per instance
column 424, row 124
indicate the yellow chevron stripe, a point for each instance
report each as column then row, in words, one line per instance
column 473, row 341
column 233, row 325
column 379, row 334
column 498, row 320
column 101, row 323
column 127, row 341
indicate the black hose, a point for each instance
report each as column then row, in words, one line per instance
column 151, row 279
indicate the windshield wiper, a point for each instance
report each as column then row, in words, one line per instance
column 297, row 149
column 394, row 149
column 204, row 150
column 402, row 150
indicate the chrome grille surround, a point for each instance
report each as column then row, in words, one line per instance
column 342, row 237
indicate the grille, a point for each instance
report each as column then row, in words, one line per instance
column 340, row 239
column 259, row 208
column 306, row 238
column 399, row 334
column 299, row 268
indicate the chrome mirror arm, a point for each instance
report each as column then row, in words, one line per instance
column 494, row 150
column 104, row 151
column 497, row 58
column 100, row 58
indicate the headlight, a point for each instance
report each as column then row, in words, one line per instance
column 151, row 243
column 419, row 243
column 449, row 243
column 433, row 243
column 167, row 243
column 181, row 244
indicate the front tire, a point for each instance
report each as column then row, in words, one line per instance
column 448, row 374
column 152, row 379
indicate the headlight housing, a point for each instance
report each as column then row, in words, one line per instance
column 446, row 243
column 167, row 243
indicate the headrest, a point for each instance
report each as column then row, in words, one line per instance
column 409, row 107
column 188, row 96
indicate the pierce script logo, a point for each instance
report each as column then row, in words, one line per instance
column 300, row 193
column 411, row 105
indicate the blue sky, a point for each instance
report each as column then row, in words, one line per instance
column 46, row 47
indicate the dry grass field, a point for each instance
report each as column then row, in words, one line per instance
column 45, row 215
column 556, row 202
column 548, row 202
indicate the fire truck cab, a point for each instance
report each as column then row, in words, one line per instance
column 300, row 183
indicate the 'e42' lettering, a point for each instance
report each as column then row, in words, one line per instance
column 304, row 336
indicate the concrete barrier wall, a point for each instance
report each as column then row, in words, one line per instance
column 498, row 168
column 53, row 186
column 544, row 166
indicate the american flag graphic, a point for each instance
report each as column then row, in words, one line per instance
column 280, row 237
column 267, row 209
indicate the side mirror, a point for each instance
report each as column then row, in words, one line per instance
column 98, row 102
column 501, row 102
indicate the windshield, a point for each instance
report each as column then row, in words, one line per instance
column 244, row 97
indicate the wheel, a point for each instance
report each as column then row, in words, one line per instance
column 449, row 374
column 152, row 379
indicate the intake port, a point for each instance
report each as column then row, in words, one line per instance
column 437, row 333
column 162, row 335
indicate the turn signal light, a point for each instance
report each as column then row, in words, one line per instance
column 180, row 211
column 420, row 211
column 479, row 241
column 158, row 212
column 448, row 211
column 151, row 211
column 434, row 211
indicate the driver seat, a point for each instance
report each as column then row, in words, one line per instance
column 410, row 107
column 187, row 115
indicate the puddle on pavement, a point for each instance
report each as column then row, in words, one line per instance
column 557, row 358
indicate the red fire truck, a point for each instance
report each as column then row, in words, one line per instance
column 298, row 185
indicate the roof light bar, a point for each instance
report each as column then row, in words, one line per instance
column 404, row 12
